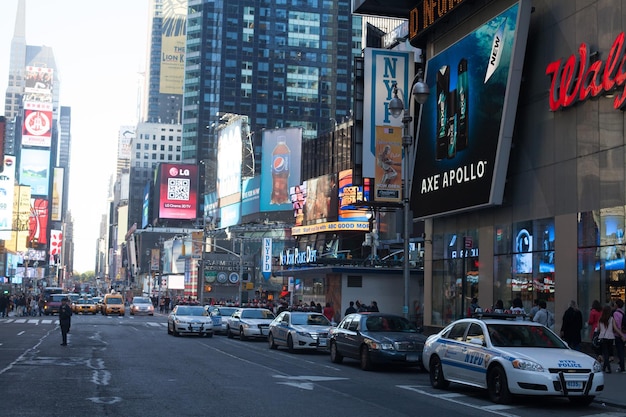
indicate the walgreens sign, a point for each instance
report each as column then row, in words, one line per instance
column 579, row 78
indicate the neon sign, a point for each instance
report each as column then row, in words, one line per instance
column 580, row 78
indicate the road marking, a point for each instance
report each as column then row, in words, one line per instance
column 21, row 333
column 105, row 400
column 499, row 410
column 305, row 381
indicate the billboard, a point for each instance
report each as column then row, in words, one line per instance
column 382, row 134
column 145, row 208
column 124, row 142
column 38, row 221
column 37, row 128
column 35, row 170
column 57, row 195
column 229, row 159
column 349, row 196
column 7, row 181
column 251, row 195
column 38, row 80
column 178, row 191
column 280, row 167
column 467, row 122
column 173, row 46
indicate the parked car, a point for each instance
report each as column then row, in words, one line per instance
column 52, row 304
column 113, row 303
column 84, row 306
column 188, row 319
column 508, row 356
column 299, row 330
column 249, row 322
column 220, row 315
column 141, row 305
column 376, row 338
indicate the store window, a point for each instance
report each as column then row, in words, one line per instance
column 524, row 263
column 455, row 275
column 601, row 262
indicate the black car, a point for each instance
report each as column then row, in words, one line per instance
column 376, row 338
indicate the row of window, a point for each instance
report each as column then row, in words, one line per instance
column 146, row 146
column 162, row 157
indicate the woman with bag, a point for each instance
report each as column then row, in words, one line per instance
column 594, row 317
column 606, row 326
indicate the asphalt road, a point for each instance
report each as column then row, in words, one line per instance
column 130, row 366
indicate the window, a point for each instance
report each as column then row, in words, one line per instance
column 457, row 332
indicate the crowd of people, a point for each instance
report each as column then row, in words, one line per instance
column 22, row 305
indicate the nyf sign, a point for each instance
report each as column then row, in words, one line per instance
column 267, row 258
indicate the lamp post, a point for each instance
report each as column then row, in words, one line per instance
column 420, row 91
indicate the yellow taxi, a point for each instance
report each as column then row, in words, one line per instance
column 113, row 303
column 84, row 306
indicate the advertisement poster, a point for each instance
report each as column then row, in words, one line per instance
column 173, row 46
column 280, row 167
column 467, row 122
column 178, row 191
column 35, row 170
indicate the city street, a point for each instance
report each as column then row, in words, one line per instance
column 130, row 366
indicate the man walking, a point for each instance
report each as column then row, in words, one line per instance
column 65, row 319
column 572, row 325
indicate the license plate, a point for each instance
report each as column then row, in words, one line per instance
column 412, row 357
column 574, row 384
column 322, row 342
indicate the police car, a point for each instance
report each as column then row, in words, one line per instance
column 508, row 355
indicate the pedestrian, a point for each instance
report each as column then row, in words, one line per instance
column 374, row 307
column 474, row 307
column 572, row 325
column 606, row 325
column 542, row 314
column 499, row 307
column 517, row 307
column 350, row 309
column 65, row 319
column 329, row 312
column 618, row 319
column 4, row 305
column 535, row 308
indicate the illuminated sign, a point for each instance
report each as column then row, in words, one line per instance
column 295, row 257
column 331, row 227
column 178, row 191
column 428, row 13
column 578, row 79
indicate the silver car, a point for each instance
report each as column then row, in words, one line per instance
column 185, row 319
column 141, row 305
column 299, row 330
column 249, row 322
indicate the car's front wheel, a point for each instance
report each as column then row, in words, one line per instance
column 437, row 380
column 335, row 356
column 366, row 361
column 270, row 341
column 228, row 332
column 242, row 335
column 169, row 331
column 290, row 344
column 497, row 386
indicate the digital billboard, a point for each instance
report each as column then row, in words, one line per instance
column 350, row 196
column 178, row 191
column 229, row 159
column 34, row 170
column 251, row 194
column 145, row 208
column 38, row 221
column 7, row 187
column 280, row 167
column 467, row 121
column 57, row 195
column 37, row 128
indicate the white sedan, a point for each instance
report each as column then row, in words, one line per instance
column 509, row 357
column 299, row 330
column 185, row 319
column 249, row 322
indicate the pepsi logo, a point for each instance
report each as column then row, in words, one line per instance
column 279, row 163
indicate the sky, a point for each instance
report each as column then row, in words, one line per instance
column 100, row 52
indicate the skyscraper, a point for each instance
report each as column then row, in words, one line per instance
column 282, row 64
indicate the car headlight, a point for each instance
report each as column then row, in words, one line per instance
column 304, row 334
column 527, row 365
column 597, row 367
column 381, row 346
column 244, row 324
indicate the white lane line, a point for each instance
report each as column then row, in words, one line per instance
column 449, row 398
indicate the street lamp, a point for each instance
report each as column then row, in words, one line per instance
column 420, row 92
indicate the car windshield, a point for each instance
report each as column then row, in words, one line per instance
column 83, row 301
column 257, row 314
column 309, row 320
column 509, row 335
column 191, row 311
column 141, row 300
column 389, row 324
column 224, row 311
column 114, row 300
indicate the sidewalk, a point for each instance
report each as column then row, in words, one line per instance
column 613, row 393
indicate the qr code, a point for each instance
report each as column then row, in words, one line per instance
column 177, row 189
